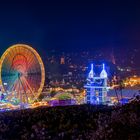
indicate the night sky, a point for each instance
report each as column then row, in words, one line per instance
column 70, row 25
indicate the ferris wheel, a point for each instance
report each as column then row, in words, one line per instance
column 22, row 73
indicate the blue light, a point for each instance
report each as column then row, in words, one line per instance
column 96, row 87
column 91, row 66
column 91, row 73
column 103, row 66
column 103, row 73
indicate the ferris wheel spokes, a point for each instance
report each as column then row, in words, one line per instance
column 22, row 69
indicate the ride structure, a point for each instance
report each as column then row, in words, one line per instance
column 96, row 87
column 22, row 73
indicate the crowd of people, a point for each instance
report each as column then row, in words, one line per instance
column 79, row 122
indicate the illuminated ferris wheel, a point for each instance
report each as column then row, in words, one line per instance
column 22, row 73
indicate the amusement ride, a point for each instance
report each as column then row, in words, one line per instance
column 22, row 74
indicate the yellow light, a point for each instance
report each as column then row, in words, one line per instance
column 38, row 58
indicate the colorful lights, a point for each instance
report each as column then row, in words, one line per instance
column 22, row 69
column 96, row 87
column 132, row 81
